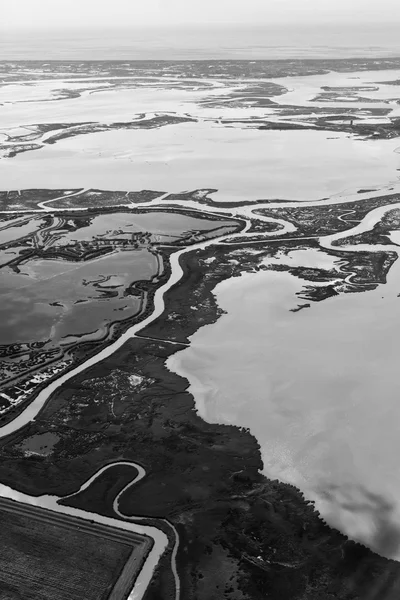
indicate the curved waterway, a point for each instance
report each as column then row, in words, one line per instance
column 141, row 474
column 142, row 582
column 128, row 523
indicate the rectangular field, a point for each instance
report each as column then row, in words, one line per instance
column 46, row 555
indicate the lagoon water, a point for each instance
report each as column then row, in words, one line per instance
column 52, row 299
column 8, row 233
column 243, row 164
column 318, row 388
column 239, row 160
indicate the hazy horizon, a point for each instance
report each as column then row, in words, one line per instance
column 214, row 29
column 196, row 42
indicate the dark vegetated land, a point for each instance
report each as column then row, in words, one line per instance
column 327, row 219
column 382, row 131
column 98, row 199
column 195, row 68
column 28, row 199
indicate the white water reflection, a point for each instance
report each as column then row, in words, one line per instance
column 21, row 229
column 243, row 164
column 310, row 258
column 304, row 90
column 318, row 388
column 104, row 106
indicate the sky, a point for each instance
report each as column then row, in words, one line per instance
column 43, row 14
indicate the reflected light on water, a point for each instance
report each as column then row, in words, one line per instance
column 318, row 388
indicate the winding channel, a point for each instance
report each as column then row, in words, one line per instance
column 128, row 524
column 30, row 413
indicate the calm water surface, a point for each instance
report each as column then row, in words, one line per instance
column 9, row 233
column 243, row 164
column 318, row 388
column 205, row 42
column 53, row 299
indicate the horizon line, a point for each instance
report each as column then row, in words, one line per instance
column 203, row 25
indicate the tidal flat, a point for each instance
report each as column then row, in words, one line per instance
column 242, row 164
column 102, row 134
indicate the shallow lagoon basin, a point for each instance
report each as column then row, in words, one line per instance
column 243, row 164
column 42, row 303
column 11, row 234
column 40, row 444
column 105, row 106
column 302, row 91
column 318, row 388
column 123, row 225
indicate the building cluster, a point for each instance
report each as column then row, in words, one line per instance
column 21, row 364
column 17, row 393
